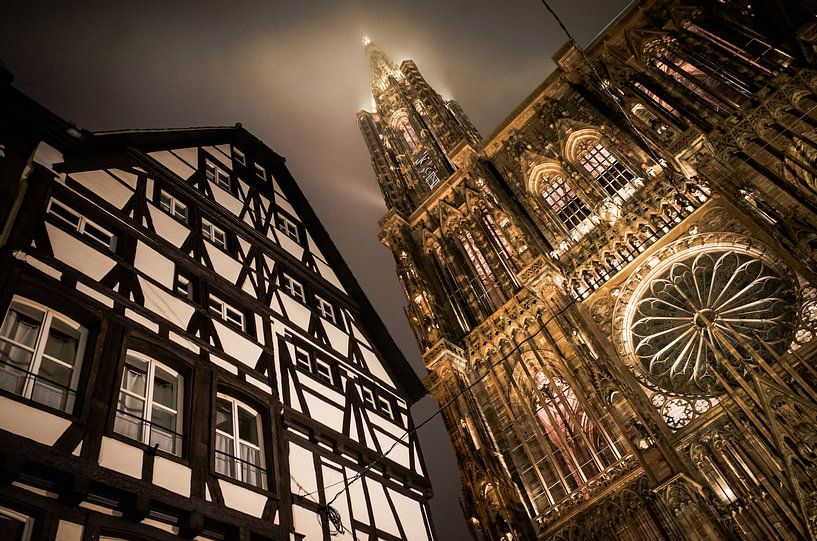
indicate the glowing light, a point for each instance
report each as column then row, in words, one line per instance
column 366, row 40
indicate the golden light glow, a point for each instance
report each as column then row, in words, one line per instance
column 366, row 40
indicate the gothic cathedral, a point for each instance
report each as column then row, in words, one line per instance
column 615, row 293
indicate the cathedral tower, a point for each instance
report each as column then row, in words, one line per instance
column 614, row 294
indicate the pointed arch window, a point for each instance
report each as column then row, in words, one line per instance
column 564, row 202
column 579, row 447
column 406, row 131
column 493, row 293
column 614, row 176
column 696, row 74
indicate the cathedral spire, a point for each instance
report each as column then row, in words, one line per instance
column 381, row 66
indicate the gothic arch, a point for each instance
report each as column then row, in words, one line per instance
column 540, row 171
column 578, row 140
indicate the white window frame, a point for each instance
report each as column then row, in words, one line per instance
column 147, row 407
column 219, row 176
column 325, row 376
column 28, row 522
column 237, row 441
column 186, row 288
column 260, row 172
column 326, row 309
column 226, row 311
column 368, row 398
column 38, row 351
column 82, row 224
column 293, row 287
column 304, row 358
column 239, row 156
column 287, row 227
column 173, row 206
column 213, row 233
column 384, row 406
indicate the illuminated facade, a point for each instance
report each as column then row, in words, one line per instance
column 183, row 352
column 615, row 292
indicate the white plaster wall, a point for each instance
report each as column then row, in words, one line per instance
column 297, row 312
column 383, row 516
column 189, row 155
column 411, row 516
column 302, row 470
column 324, row 412
column 235, row 345
column 68, row 531
column 75, row 253
column 168, row 228
column 171, row 475
column 307, row 523
column 166, row 305
column 242, row 499
column 375, row 366
column 121, row 457
column 173, row 163
column 32, row 423
column 105, row 186
column 153, row 264
column 290, row 245
column 224, row 265
column 328, row 274
column 226, row 199
column 337, row 338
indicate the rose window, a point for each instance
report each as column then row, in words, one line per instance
column 699, row 309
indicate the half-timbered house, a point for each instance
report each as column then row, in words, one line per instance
column 183, row 352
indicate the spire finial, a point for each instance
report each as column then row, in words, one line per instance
column 381, row 65
column 366, row 40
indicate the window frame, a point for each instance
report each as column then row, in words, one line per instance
column 38, row 353
column 172, row 204
column 224, row 311
column 208, row 231
column 287, row 227
column 239, row 156
column 236, row 440
column 388, row 410
column 328, row 377
column 287, row 285
column 82, row 224
column 367, row 396
column 298, row 360
column 260, row 171
column 326, row 309
column 149, row 403
column 220, row 177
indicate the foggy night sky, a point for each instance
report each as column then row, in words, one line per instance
column 294, row 74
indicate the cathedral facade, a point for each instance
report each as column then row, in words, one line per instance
column 183, row 352
column 615, row 293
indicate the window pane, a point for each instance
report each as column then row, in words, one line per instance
column 134, row 377
column 22, row 324
column 251, row 471
column 63, row 342
column 165, row 202
column 224, row 455
column 247, row 426
column 55, row 372
column 52, row 395
column 15, row 356
column 67, row 215
column 165, row 389
column 103, row 237
column 12, row 376
column 224, row 416
column 129, row 417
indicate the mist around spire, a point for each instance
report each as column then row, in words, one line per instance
column 381, row 66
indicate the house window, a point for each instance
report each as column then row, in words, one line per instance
column 368, row 398
column 326, row 309
column 239, row 157
column 239, row 446
column 15, row 526
column 226, row 312
column 384, row 406
column 260, row 172
column 150, row 404
column 293, row 287
column 302, row 359
column 40, row 354
column 172, row 206
column 287, row 226
column 82, row 225
column 183, row 286
column 217, row 175
column 323, row 371
column 613, row 175
column 214, row 234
